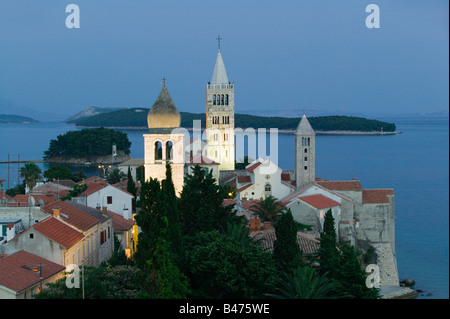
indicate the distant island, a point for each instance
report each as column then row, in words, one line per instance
column 93, row 146
column 137, row 118
column 12, row 119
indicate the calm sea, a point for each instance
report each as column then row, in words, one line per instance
column 415, row 164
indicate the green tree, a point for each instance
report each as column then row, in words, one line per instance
column 169, row 202
column 201, row 204
column 114, row 176
column 220, row 267
column 161, row 278
column 268, row 209
column 286, row 250
column 118, row 282
column 328, row 253
column 57, row 172
column 351, row 278
column 304, row 283
column 78, row 177
column 31, row 173
column 131, row 188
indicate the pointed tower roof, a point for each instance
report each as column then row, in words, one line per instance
column 164, row 113
column 219, row 74
column 304, row 128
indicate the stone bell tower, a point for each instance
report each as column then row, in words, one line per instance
column 305, row 153
column 220, row 117
column 164, row 143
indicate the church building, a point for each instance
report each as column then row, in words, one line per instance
column 220, row 117
column 165, row 141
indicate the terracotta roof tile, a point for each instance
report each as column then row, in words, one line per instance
column 376, row 196
column 341, row 185
column 286, row 177
column 120, row 223
column 77, row 215
column 252, row 168
column 309, row 244
column 59, row 232
column 200, row 160
column 319, row 201
column 17, row 278
column 244, row 179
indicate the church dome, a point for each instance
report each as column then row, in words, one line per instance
column 164, row 113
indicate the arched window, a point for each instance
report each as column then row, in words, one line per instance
column 303, row 141
column 214, row 99
column 309, row 141
column 169, row 151
column 158, row 151
column 222, row 102
column 226, row 99
column 267, row 189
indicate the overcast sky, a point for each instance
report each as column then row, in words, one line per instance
column 282, row 55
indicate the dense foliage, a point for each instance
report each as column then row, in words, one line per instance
column 88, row 142
column 137, row 117
column 194, row 247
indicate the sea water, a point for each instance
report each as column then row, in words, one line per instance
column 414, row 163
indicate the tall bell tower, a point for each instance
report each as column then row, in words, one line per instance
column 220, row 116
column 305, row 153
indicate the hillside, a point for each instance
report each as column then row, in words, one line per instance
column 137, row 118
column 89, row 111
column 7, row 118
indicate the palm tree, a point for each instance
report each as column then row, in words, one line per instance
column 31, row 173
column 115, row 176
column 268, row 209
column 304, row 283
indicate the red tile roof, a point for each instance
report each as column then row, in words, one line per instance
column 94, row 187
column 309, row 244
column 76, row 214
column 286, row 177
column 6, row 196
column 341, row 185
column 319, row 201
column 243, row 188
column 244, row 179
column 120, row 223
column 17, row 278
column 252, row 168
column 376, row 196
column 59, row 232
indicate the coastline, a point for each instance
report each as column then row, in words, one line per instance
column 283, row 131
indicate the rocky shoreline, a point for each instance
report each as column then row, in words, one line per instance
column 90, row 160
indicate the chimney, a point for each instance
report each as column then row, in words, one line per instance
column 126, row 213
column 104, row 209
column 267, row 225
column 56, row 212
column 98, row 207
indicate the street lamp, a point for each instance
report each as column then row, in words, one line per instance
column 104, row 169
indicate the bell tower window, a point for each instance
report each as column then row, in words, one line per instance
column 158, row 151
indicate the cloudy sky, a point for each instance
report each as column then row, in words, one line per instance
column 284, row 56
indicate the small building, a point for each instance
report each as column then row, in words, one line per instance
column 9, row 228
column 23, row 274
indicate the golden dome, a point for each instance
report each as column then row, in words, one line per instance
column 164, row 113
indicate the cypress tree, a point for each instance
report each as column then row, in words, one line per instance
column 131, row 188
column 286, row 251
column 169, row 203
column 328, row 253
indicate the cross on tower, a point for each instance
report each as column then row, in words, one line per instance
column 164, row 81
column 218, row 41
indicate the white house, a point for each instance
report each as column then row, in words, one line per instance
column 260, row 179
column 106, row 196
